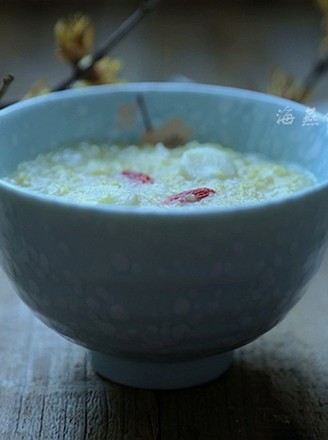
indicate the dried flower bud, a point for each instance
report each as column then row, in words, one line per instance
column 74, row 38
column 40, row 87
column 104, row 71
column 172, row 134
column 285, row 85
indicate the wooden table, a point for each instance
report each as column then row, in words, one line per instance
column 276, row 388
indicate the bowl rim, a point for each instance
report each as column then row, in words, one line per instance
column 58, row 202
column 153, row 86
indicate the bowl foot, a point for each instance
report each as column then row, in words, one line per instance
column 161, row 376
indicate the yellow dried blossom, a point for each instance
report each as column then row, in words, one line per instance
column 285, row 85
column 323, row 5
column 324, row 28
column 74, row 38
column 173, row 133
column 40, row 87
column 104, row 71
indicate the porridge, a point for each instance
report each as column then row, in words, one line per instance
column 153, row 175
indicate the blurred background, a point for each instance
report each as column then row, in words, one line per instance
column 233, row 43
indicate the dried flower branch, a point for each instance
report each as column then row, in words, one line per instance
column 172, row 133
column 74, row 41
column 87, row 63
column 313, row 77
column 144, row 113
column 285, row 85
column 7, row 80
column 104, row 71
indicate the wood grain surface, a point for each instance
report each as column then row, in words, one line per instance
column 276, row 388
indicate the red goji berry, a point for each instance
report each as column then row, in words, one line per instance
column 137, row 176
column 190, row 195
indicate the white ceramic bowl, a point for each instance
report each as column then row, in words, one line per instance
column 161, row 298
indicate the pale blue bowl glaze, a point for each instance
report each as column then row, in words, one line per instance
column 161, row 298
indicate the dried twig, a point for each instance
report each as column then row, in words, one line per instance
column 144, row 113
column 172, row 133
column 310, row 81
column 86, row 63
column 5, row 84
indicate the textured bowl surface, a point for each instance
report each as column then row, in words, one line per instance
column 162, row 286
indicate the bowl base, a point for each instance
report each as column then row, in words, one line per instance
column 160, row 376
